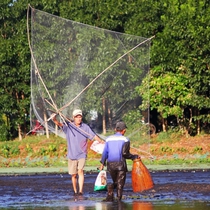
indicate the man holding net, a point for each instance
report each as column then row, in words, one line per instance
column 77, row 135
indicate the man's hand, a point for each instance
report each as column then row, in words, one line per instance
column 53, row 115
column 136, row 157
column 98, row 139
column 101, row 167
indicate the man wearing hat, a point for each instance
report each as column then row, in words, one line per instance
column 77, row 135
column 116, row 151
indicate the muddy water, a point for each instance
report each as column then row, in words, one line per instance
column 123, row 205
column 173, row 190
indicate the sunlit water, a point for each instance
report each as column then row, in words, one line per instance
column 123, row 205
column 22, row 199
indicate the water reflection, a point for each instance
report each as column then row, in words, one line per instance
column 140, row 205
column 123, row 205
column 117, row 205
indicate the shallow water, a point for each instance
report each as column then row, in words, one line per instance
column 123, row 205
column 53, row 191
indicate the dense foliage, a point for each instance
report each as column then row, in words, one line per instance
column 37, row 151
column 180, row 58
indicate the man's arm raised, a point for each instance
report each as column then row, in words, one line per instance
column 53, row 116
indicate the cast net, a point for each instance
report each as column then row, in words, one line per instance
column 80, row 66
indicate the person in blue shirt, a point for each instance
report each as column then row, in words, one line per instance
column 115, row 153
column 77, row 135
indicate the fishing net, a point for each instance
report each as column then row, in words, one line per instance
column 80, row 66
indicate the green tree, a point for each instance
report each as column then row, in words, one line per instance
column 15, row 65
column 181, row 48
column 14, row 57
column 179, row 52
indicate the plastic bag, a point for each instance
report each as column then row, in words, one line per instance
column 97, row 147
column 101, row 181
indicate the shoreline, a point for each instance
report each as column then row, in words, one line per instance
column 63, row 169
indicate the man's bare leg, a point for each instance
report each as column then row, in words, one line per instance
column 74, row 182
column 81, row 180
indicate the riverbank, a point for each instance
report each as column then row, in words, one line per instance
column 36, row 153
column 57, row 170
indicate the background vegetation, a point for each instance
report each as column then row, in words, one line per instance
column 180, row 58
column 38, row 151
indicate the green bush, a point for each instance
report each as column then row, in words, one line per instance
column 5, row 150
column 15, row 151
column 4, row 133
column 197, row 149
column 170, row 135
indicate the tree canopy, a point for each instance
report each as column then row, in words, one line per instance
column 179, row 75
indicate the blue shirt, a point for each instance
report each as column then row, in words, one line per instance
column 77, row 138
column 113, row 148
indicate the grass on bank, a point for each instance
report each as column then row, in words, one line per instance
column 38, row 151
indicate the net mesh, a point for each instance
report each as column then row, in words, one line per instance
column 81, row 66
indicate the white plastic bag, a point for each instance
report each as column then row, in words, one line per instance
column 101, row 181
column 97, row 147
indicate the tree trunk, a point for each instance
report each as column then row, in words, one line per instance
column 164, row 124
column 19, row 133
column 56, row 130
column 46, row 126
column 189, row 125
column 110, row 119
column 104, row 115
column 19, row 127
column 198, row 125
